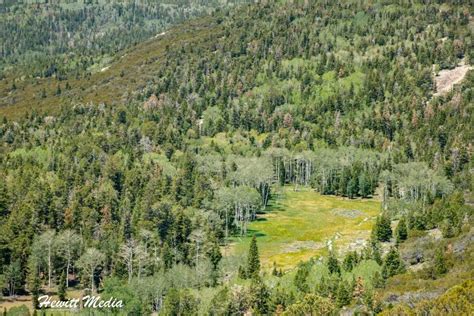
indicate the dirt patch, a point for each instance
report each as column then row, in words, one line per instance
column 447, row 78
column 348, row 213
column 303, row 245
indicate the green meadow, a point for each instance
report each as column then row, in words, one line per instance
column 302, row 224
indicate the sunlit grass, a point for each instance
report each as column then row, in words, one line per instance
column 297, row 226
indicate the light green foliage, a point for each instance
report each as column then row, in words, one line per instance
column 311, row 304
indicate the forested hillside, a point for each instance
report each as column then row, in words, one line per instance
column 134, row 181
column 64, row 39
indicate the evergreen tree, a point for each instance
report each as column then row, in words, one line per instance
column 375, row 252
column 167, row 256
column 440, row 265
column 382, row 230
column 393, row 264
column 242, row 273
column 274, row 270
column 350, row 261
column 282, row 172
column 401, row 231
column 365, row 188
column 215, row 256
column 300, row 280
column 3, row 199
column 35, row 290
column 377, row 280
column 333, row 264
column 62, row 287
column 253, row 259
column 259, row 296
column 343, row 296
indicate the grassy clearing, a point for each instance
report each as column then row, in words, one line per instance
column 299, row 225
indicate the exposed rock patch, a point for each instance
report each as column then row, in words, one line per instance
column 447, row 78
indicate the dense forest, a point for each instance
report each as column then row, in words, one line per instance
column 139, row 198
column 64, row 39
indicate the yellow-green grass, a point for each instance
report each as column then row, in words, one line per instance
column 298, row 224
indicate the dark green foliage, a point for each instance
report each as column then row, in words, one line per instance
column 167, row 256
column 439, row 263
column 253, row 259
column 282, row 172
column 120, row 25
column 376, row 253
column 378, row 280
column 35, row 290
column 393, row 264
column 62, row 287
column 179, row 303
column 4, row 199
column 344, row 294
column 333, row 263
column 300, row 281
column 259, row 296
column 448, row 214
column 350, row 261
column 401, row 232
column 242, row 273
column 382, row 230
column 214, row 254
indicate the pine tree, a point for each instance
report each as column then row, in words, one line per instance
column 401, row 231
column 253, row 260
column 274, row 270
column 377, row 280
column 259, row 296
column 242, row 273
column 343, row 296
column 350, row 261
column 377, row 255
column 167, row 256
column 62, row 287
column 382, row 230
column 440, row 266
column 215, row 256
column 333, row 264
column 3, row 199
column 393, row 264
column 282, row 173
column 35, row 290
column 365, row 188
column 301, row 277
